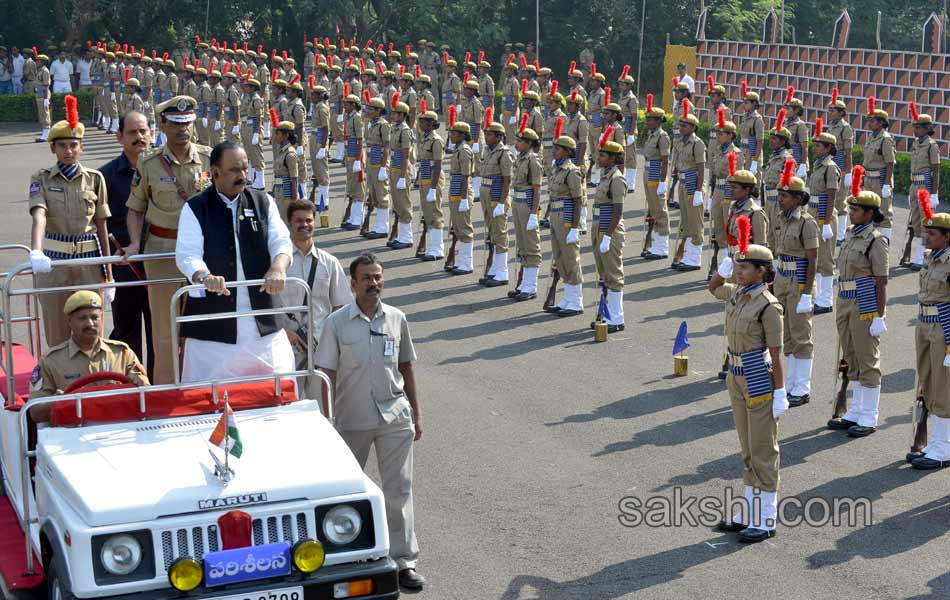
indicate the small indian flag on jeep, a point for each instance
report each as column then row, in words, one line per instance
column 226, row 435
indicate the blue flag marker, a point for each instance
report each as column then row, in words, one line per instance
column 682, row 340
column 602, row 309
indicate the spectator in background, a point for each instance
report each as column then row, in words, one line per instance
column 529, row 53
column 130, row 305
column 18, row 60
column 6, row 72
column 685, row 78
column 82, row 72
column 62, row 70
column 586, row 58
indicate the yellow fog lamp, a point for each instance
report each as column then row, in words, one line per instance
column 308, row 555
column 185, row 574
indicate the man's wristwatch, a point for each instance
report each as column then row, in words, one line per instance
column 200, row 276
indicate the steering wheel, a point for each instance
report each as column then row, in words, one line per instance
column 91, row 378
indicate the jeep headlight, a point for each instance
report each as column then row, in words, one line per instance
column 342, row 524
column 121, row 554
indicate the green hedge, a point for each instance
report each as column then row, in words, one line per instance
column 23, row 108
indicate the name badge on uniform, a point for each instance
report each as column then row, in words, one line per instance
column 249, row 212
column 56, row 189
column 167, row 179
column 390, row 348
column 72, row 375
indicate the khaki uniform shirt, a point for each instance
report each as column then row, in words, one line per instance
column 712, row 115
column 536, row 121
column 286, row 164
column 377, row 133
column 510, row 90
column 657, row 145
column 825, row 178
column 630, row 109
column 366, row 354
column 879, row 151
column 612, row 188
column 577, row 127
column 935, row 280
column 71, row 206
column 595, row 102
column 155, row 192
column 66, row 362
column 752, row 128
column 799, row 131
column 567, row 182
column 924, row 152
column 550, row 123
column 233, row 104
column 496, row 162
column 796, row 233
column 757, row 218
column 863, row 255
column 463, row 163
column 473, row 113
column 772, row 174
column 486, row 87
column 690, row 154
column 353, row 127
column 320, row 119
column 718, row 159
column 753, row 319
column 401, row 138
column 526, row 172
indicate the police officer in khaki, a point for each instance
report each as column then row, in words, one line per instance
column 84, row 352
column 630, row 107
column 823, row 184
column 656, row 158
column 924, row 175
column 607, row 236
column 525, row 210
column 756, row 383
column 401, row 143
column 880, row 160
column 577, row 127
column 461, row 170
column 472, row 112
column 286, row 165
column 41, row 91
column 352, row 132
column 253, row 134
column 724, row 159
column 376, row 143
column 430, row 154
column 495, row 169
column 566, row 199
column 319, row 144
column 933, row 345
column 839, row 127
column 69, row 205
column 164, row 180
column 689, row 171
column 751, row 130
column 771, row 175
column 799, row 130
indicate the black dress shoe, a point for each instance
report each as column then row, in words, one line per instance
column 860, row 431
column 513, row 293
column 750, row 535
column 643, row 253
column 841, row 424
column 458, row 271
column 420, row 253
column 729, row 526
column 484, row 280
column 927, row 464
column 400, row 245
column 546, row 223
column 493, row 283
column 567, row 312
column 615, row 328
column 821, row 310
column 685, row 268
column 675, row 265
column 723, row 375
column 448, row 268
column 593, row 325
column 349, row 226
column 650, row 256
column 410, row 580
column 375, row 235
column 915, row 267
column 551, row 309
column 389, row 243
column 913, row 455
column 430, row 258
column 673, row 204
column 522, row 296
column 794, row 401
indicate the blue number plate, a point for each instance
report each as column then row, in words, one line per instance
column 247, row 564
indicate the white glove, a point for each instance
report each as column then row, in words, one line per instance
column 39, row 262
column 779, row 403
column 847, row 179
column 801, row 171
column 112, row 96
column 697, row 198
column 383, row 174
column 401, row 183
column 458, row 109
column 46, row 102
column 630, row 140
column 661, row 189
column 475, row 147
column 804, row 304
column 204, row 121
column 934, row 200
column 299, row 150
column 826, row 232
column 885, row 190
column 339, row 118
column 255, row 139
column 108, row 295
column 499, row 210
column 236, row 130
column 357, row 166
column 605, row 244
column 877, row 327
column 512, row 120
column 754, row 167
column 532, row 222
column 463, row 205
column 321, row 153
column 946, row 360
column 430, row 195
column 574, row 237
column 725, row 268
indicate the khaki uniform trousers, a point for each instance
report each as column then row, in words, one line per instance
column 859, row 348
column 758, row 437
column 610, row 263
column 527, row 243
column 42, row 113
column 111, row 105
column 55, row 326
column 565, row 257
column 320, row 167
column 691, row 218
column 797, row 339
column 354, row 187
column 496, row 228
column 431, row 211
column 393, row 444
column 916, row 219
column 204, row 133
column 718, row 214
column 336, row 129
column 378, row 191
column 402, row 204
column 826, row 254
column 933, row 377
column 461, row 222
column 159, row 300
column 772, row 210
column 656, row 207
column 255, row 152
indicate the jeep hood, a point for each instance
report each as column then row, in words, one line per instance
column 141, row 471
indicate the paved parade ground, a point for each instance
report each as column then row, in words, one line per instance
column 534, row 435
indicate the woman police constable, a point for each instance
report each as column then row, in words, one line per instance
column 525, row 209
column 780, row 144
column 431, row 151
column 823, row 183
column 566, row 194
column 656, row 156
column 286, row 169
column 755, row 381
column 862, row 296
column 608, row 233
column 461, row 169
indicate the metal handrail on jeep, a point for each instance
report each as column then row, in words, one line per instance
column 32, row 315
column 26, row 519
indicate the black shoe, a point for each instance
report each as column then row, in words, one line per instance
column 615, row 328
column 927, row 464
column 821, row 310
column 430, row 258
column 375, row 235
column 723, row 375
column 675, row 265
column 915, row 267
column 593, row 324
column 458, row 271
column 860, row 431
column 420, row 253
column 685, row 268
column 396, row 245
column 522, row 296
column 565, row 312
column 794, row 401
column 553, row 309
column 513, row 293
column 750, row 535
column 546, row 223
column 705, row 214
column 841, row 424
column 38, row 140
column 349, row 226
column 389, row 243
column 493, row 283
column 673, row 204
column 643, row 253
column 729, row 526
column 409, row 579
column 650, row 256
column 913, row 455
column 484, row 280
column 448, row 267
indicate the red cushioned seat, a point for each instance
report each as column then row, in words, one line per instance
column 23, row 365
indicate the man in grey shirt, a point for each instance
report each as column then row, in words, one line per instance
column 367, row 351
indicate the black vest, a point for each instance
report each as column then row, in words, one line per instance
column 217, row 226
